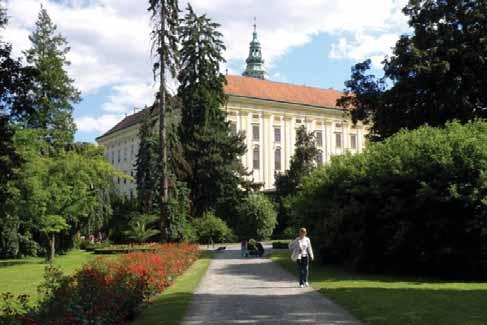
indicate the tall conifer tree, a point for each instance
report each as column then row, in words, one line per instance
column 55, row 91
column 164, row 36
column 147, row 173
column 210, row 148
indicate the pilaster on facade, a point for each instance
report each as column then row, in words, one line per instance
column 248, row 138
column 261, row 148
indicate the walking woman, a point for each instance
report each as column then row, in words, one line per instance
column 302, row 253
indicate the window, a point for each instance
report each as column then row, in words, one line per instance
column 118, row 154
column 125, row 154
column 298, row 121
column 338, row 140
column 256, row 158
column 255, row 132
column 353, row 141
column 319, row 138
column 277, row 135
column 277, row 159
column 233, row 128
column 113, row 157
column 132, row 150
column 338, row 125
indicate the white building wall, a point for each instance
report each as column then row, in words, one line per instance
column 267, row 116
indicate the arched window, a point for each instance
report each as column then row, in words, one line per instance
column 256, row 158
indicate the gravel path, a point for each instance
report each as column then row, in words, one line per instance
column 257, row 291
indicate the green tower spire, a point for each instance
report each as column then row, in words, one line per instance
column 255, row 63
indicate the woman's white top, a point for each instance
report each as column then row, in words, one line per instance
column 301, row 247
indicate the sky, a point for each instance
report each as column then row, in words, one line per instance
column 305, row 42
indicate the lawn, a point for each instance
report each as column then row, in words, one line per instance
column 170, row 307
column 22, row 276
column 383, row 300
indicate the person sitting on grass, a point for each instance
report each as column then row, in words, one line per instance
column 260, row 249
column 244, row 248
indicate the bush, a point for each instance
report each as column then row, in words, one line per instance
column 257, row 217
column 209, row 228
column 106, row 290
column 282, row 244
column 416, row 202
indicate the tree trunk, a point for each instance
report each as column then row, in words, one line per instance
column 162, row 132
column 52, row 253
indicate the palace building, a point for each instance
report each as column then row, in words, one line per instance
column 268, row 113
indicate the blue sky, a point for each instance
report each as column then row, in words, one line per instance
column 306, row 42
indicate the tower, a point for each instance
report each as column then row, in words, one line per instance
column 255, row 63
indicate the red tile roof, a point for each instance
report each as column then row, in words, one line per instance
column 129, row 120
column 281, row 92
column 260, row 89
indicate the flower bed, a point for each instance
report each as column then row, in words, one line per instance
column 108, row 290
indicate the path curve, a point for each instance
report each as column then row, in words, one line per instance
column 257, row 291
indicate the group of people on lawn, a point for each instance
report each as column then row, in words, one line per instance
column 301, row 253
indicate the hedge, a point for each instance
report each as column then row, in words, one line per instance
column 415, row 203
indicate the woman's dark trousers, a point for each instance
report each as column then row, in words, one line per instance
column 303, row 270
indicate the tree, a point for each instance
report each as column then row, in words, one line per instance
column 211, row 229
column 50, row 225
column 72, row 184
column 210, row 148
column 436, row 74
column 303, row 162
column 258, row 218
column 164, row 35
column 147, row 171
column 16, row 83
column 54, row 91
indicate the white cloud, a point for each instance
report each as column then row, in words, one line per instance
column 110, row 39
column 364, row 46
column 128, row 96
column 99, row 124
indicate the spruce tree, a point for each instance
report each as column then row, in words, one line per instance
column 147, row 172
column 210, row 148
column 55, row 92
column 164, row 36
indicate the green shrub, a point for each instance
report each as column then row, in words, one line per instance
column 211, row 229
column 257, row 217
column 282, row 244
column 416, row 202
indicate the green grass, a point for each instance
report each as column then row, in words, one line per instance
column 388, row 300
column 170, row 307
column 22, row 276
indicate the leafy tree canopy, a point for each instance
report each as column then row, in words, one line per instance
column 436, row 74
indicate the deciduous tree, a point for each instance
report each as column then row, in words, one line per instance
column 435, row 74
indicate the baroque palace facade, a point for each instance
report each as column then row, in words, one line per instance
column 268, row 113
